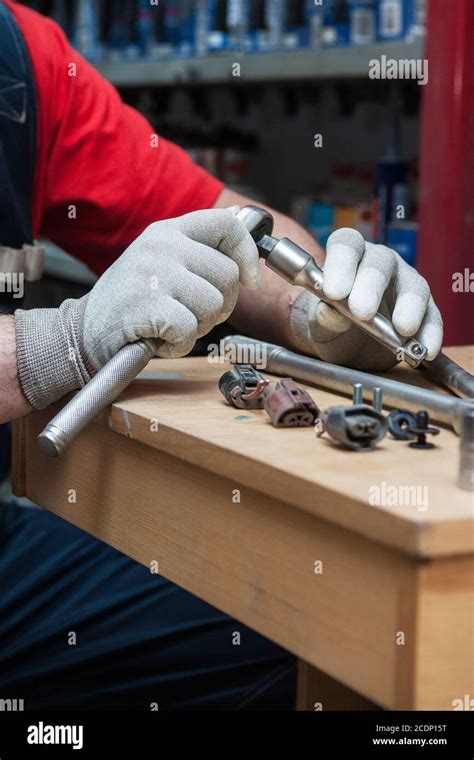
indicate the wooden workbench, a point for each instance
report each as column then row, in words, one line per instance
column 276, row 528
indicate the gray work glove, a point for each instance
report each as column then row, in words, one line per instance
column 376, row 279
column 175, row 282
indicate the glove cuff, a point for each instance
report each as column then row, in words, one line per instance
column 50, row 354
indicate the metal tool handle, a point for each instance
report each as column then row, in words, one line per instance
column 379, row 327
column 94, row 397
column 446, row 371
column 297, row 267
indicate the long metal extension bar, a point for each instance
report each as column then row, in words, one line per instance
column 445, row 409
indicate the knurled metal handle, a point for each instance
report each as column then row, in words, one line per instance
column 94, row 397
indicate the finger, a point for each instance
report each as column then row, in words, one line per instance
column 217, row 269
column 412, row 297
column 328, row 318
column 222, row 230
column 375, row 272
column 344, row 250
column 204, row 300
column 176, row 325
column 431, row 331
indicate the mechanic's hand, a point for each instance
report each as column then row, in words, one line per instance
column 375, row 278
column 175, row 282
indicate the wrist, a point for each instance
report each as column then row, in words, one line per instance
column 13, row 403
column 50, row 355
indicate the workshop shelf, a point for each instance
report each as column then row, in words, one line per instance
column 330, row 63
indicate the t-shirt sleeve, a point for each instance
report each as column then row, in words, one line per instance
column 102, row 174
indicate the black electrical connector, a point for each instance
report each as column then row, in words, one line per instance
column 243, row 387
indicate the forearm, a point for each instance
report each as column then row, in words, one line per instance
column 265, row 312
column 12, row 401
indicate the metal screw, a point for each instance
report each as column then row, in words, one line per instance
column 417, row 349
column 357, row 394
column 378, row 400
column 421, row 430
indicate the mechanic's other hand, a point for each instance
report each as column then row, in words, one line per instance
column 174, row 283
column 373, row 278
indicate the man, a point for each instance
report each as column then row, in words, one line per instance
column 81, row 625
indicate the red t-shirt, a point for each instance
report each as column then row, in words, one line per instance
column 95, row 156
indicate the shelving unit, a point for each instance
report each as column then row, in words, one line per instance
column 311, row 65
column 446, row 155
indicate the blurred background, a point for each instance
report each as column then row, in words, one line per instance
column 274, row 97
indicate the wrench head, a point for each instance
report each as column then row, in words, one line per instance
column 258, row 221
column 414, row 352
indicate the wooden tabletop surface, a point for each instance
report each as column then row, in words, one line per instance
column 175, row 406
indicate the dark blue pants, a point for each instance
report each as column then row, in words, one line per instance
column 139, row 639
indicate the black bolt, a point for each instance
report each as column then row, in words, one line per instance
column 421, row 430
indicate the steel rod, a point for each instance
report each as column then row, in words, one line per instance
column 446, row 372
column 443, row 408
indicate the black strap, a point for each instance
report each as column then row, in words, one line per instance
column 17, row 134
column 18, row 117
column 17, row 160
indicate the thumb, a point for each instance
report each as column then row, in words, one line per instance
column 321, row 315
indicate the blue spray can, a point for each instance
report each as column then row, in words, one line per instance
column 144, row 27
column 362, row 22
column 416, row 19
column 218, row 38
column 296, row 28
column 256, row 26
column 315, row 22
column 86, row 29
column 392, row 19
column 237, row 23
column 336, row 23
column 117, row 35
column 201, row 27
column 274, row 21
column 172, row 22
column 187, row 24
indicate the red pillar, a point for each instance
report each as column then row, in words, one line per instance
column 446, row 244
